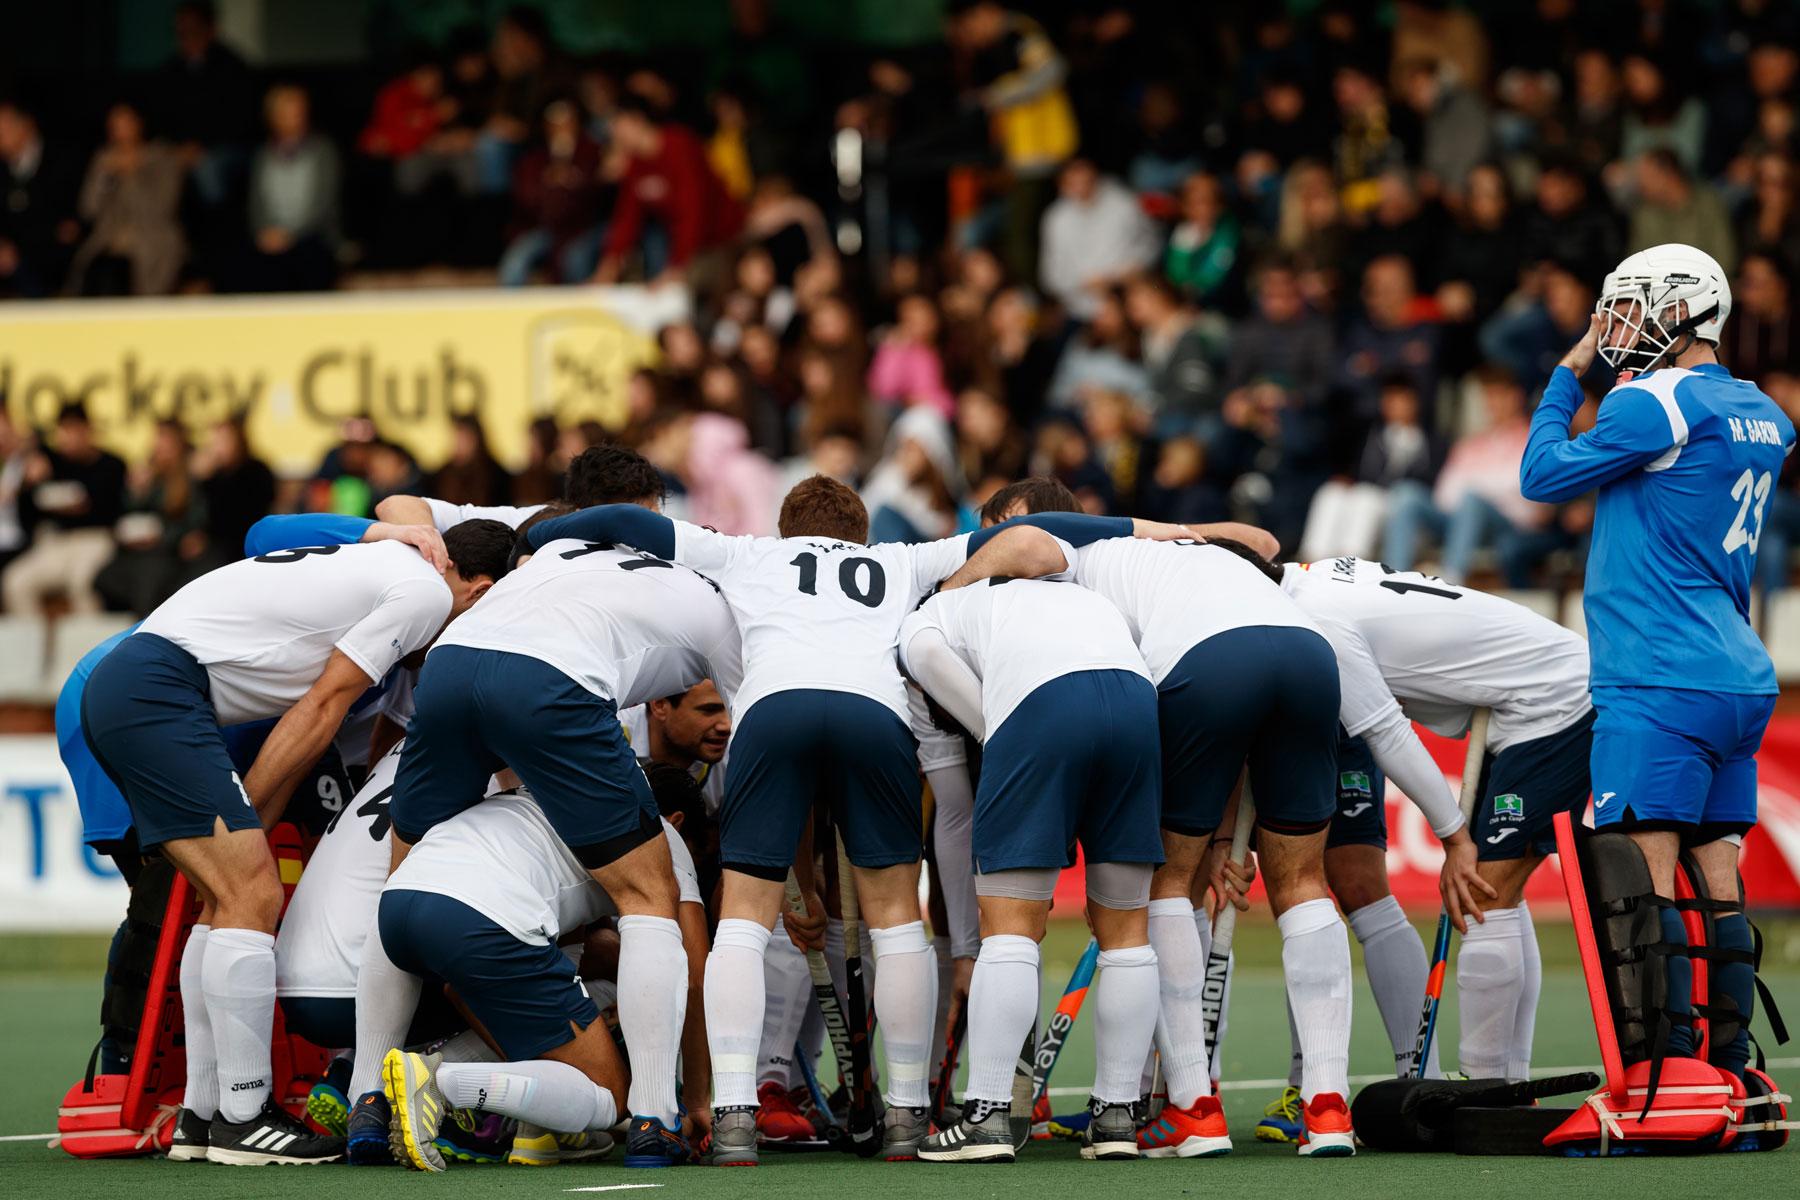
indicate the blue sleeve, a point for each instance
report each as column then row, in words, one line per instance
column 1077, row 529
column 1631, row 431
column 303, row 529
column 630, row 524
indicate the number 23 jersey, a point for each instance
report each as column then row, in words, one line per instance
column 816, row 612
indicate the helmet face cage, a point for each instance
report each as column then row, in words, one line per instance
column 1637, row 329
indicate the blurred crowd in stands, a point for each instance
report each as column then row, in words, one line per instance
column 1304, row 265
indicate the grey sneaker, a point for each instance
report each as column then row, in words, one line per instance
column 982, row 1135
column 902, row 1131
column 535, row 1146
column 1111, row 1132
column 734, row 1137
column 418, row 1108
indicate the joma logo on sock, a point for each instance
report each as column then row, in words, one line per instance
column 481, row 1100
column 251, row 1086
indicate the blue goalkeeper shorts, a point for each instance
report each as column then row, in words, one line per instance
column 1677, row 758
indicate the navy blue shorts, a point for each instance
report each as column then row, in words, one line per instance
column 479, row 710
column 802, row 747
column 1523, row 788
column 1676, row 757
column 329, row 1022
column 1077, row 760
column 526, row 996
column 147, row 715
column 1361, row 816
column 1265, row 696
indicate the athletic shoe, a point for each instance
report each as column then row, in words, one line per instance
column 409, row 1080
column 188, row 1143
column 982, row 1135
column 1070, row 1125
column 1112, row 1131
column 650, row 1143
column 902, row 1129
column 1328, row 1133
column 1281, row 1119
column 734, row 1137
column 329, row 1108
column 1197, row 1132
column 471, row 1137
column 273, row 1136
column 366, row 1139
column 535, row 1146
column 778, row 1118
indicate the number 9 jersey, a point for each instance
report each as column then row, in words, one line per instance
column 1684, row 460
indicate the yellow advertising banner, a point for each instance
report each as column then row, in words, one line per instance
column 297, row 367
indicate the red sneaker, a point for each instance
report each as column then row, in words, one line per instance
column 1327, row 1133
column 778, row 1118
column 1197, row 1132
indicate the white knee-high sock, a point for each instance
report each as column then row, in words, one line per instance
column 905, row 1000
column 201, row 1096
column 1203, row 924
column 239, row 977
column 467, row 1047
column 1394, row 959
column 1315, row 957
column 1296, row 1060
column 1488, row 982
column 551, row 1094
column 1003, row 1003
column 734, row 1009
column 1180, row 1023
column 653, row 989
column 1518, row 1063
column 1125, row 1004
column 785, row 994
column 386, row 999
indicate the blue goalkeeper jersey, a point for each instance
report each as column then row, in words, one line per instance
column 1684, row 461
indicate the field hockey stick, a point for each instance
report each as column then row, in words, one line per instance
column 1473, row 759
column 1056, row 1034
column 946, row 1072
column 1218, row 963
column 820, row 1100
column 863, row 1120
column 831, row 1009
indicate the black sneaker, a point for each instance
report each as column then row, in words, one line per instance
column 981, row 1134
column 189, row 1141
column 273, row 1135
column 366, row 1140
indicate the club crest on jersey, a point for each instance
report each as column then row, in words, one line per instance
column 1509, row 806
column 1354, row 781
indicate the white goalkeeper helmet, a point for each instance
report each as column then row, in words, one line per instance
column 1657, row 302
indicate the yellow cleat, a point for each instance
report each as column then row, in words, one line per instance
column 535, row 1146
column 418, row 1108
column 1281, row 1119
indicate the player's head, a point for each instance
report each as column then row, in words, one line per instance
column 679, row 800
column 1272, row 570
column 694, row 723
column 480, row 556
column 1036, row 494
column 822, row 507
column 1657, row 303
column 521, row 549
column 613, row 475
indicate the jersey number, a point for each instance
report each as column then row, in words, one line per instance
column 1749, row 489
column 285, row 556
column 636, row 564
column 375, row 806
column 1401, row 586
column 850, row 578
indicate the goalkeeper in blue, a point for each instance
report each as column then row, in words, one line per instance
column 1683, row 457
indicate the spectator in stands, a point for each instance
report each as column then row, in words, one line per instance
column 1781, row 528
column 1202, row 256
column 990, row 448
column 1103, row 354
column 131, row 201
column 1478, row 259
column 1111, row 422
column 163, row 510
column 1348, row 512
column 1675, row 207
column 78, row 491
column 913, row 491
column 471, row 475
column 238, row 490
column 1366, row 145
column 1476, row 501
column 1179, row 356
column 461, row 112
column 16, row 454
column 671, row 205
column 1596, row 119
column 38, row 184
column 559, row 202
column 1771, row 217
column 409, row 111
column 730, row 487
column 1763, row 335
column 1019, row 353
column 1311, row 231
column 1658, row 117
column 1285, row 124
column 1455, row 126
column 907, row 368
column 539, row 482
column 1179, row 488
column 525, row 79
column 1529, row 337
column 1392, row 334
column 208, row 106
column 1283, row 338
column 293, row 201
column 1567, row 223
column 1094, row 235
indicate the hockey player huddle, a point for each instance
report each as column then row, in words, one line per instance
column 560, row 915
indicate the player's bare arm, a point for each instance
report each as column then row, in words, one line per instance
column 302, row 735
